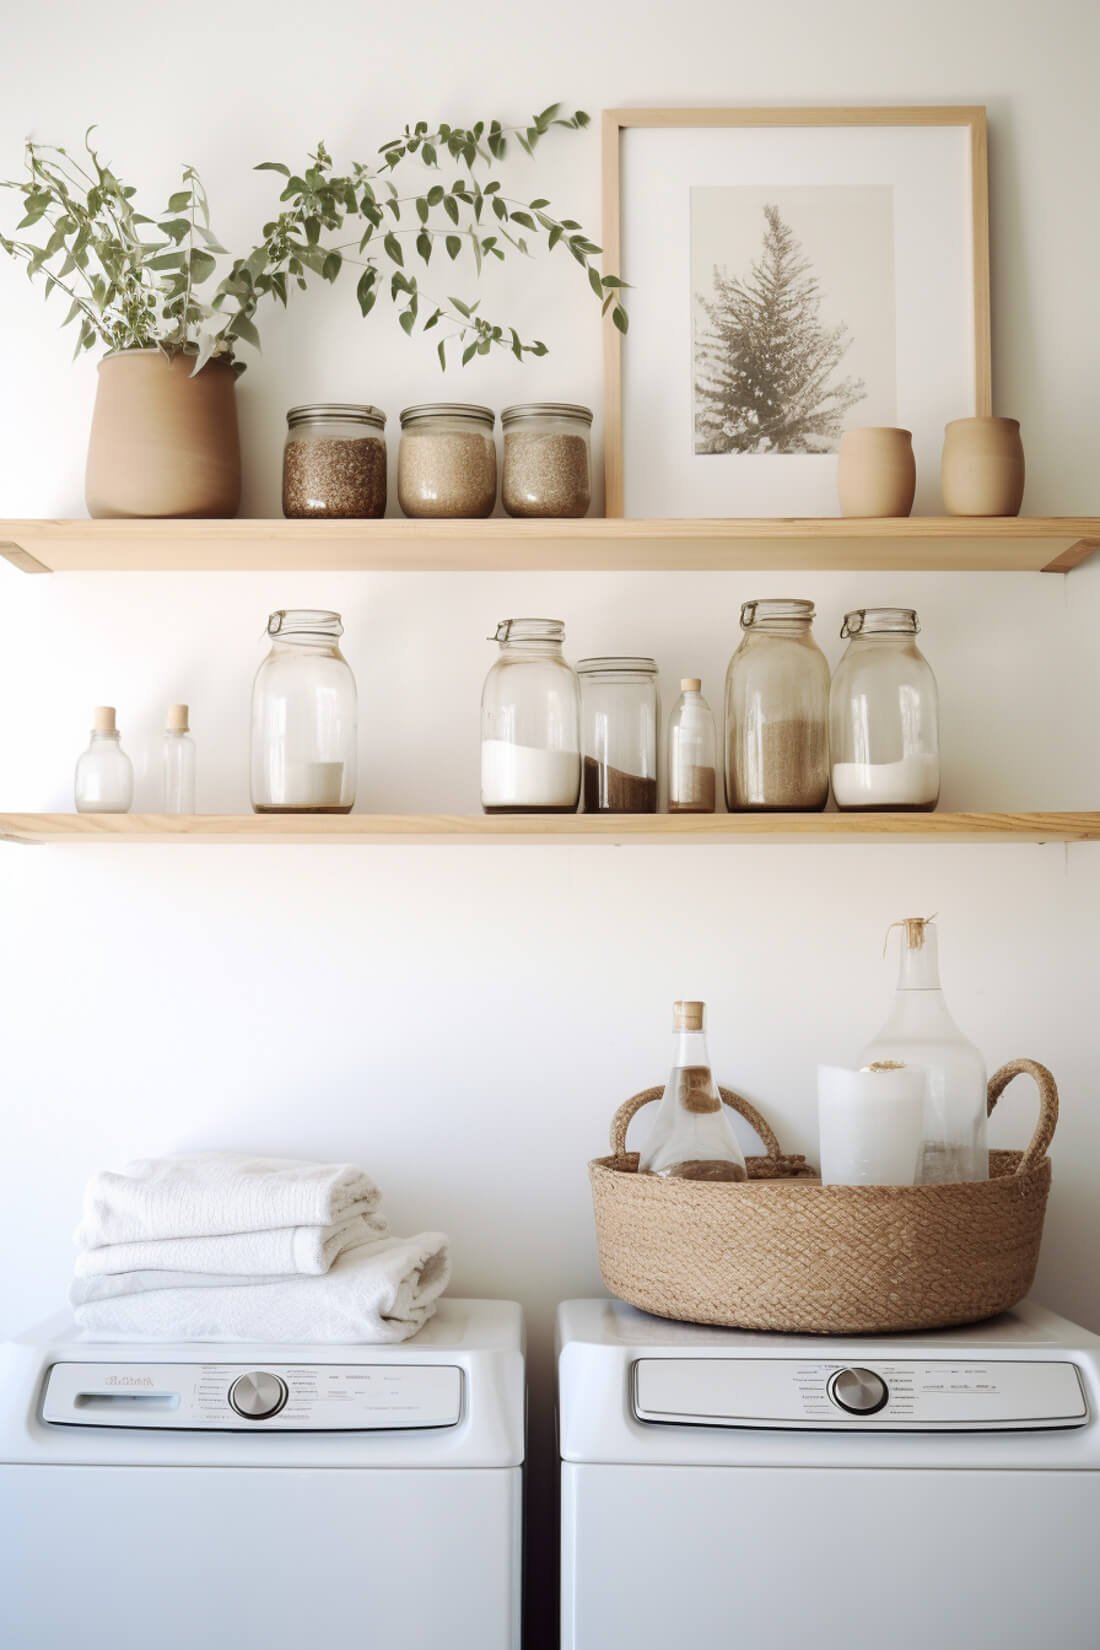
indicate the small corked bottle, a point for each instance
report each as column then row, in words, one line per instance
column 692, row 753
column 692, row 1137
column 104, row 774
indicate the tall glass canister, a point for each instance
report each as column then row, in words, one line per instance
column 777, row 712
column 620, row 715
column 884, row 715
column 304, row 736
column 530, row 723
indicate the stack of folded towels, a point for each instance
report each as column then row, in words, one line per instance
column 221, row 1246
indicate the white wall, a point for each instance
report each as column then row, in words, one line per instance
column 464, row 1020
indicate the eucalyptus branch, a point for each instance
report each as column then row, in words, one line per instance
column 145, row 293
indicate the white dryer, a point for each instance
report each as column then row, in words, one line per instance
column 723, row 1489
column 264, row 1497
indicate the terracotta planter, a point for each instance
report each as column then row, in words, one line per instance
column 163, row 443
column 982, row 473
column 876, row 472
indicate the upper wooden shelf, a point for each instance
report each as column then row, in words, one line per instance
column 930, row 544
column 614, row 830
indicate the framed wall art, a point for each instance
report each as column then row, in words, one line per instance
column 794, row 273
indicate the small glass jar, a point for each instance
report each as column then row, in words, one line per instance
column 620, row 715
column 447, row 461
column 304, row 741
column 884, row 715
column 777, row 712
column 334, row 462
column 547, row 460
column 530, row 723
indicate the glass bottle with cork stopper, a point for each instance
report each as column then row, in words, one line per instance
column 692, row 752
column 104, row 773
column 921, row 1032
column 178, row 762
column 692, row 1138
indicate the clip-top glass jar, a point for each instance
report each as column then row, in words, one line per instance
column 447, row 461
column 304, row 743
column 334, row 461
column 884, row 715
column 547, row 460
column 530, row 723
column 620, row 712
column 777, row 712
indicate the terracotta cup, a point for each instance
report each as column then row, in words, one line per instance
column 876, row 472
column 982, row 473
column 163, row 443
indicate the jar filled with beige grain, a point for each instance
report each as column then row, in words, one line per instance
column 447, row 461
column 547, row 459
column 334, row 461
column 777, row 712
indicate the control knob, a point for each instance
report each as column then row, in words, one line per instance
column 257, row 1395
column 858, row 1391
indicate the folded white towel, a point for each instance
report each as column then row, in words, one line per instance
column 282, row 1252
column 380, row 1292
column 210, row 1194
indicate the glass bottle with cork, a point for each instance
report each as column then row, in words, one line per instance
column 921, row 1032
column 692, row 752
column 104, row 773
column 692, row 1138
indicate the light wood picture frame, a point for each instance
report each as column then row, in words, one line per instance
column 975, row 316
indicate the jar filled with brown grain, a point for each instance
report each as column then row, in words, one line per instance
column 777, row 712
column 334, row 461
column 447, row 461
column 547, row 459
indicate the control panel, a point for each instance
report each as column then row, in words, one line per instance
column 898, row 1395
column 236, row 1397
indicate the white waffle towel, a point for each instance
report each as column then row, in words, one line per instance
column 377, row 1293
column 282, row 1252
column 211, row 1194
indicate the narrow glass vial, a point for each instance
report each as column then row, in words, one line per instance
column 692, row 753
column 921, row 1032
column 692, row 1138
column 178, row 763
column 104, row 773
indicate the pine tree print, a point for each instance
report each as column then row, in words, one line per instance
column 764, row 363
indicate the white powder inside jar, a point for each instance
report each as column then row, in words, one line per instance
column 528, row 776
column 914, row 782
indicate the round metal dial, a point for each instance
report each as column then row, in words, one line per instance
column 257, row 1395
column 858, row 1391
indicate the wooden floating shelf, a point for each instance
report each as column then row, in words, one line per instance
column 614, row 830
column 929, row 544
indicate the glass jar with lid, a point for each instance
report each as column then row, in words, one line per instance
column 620, row 714
column 547, row 459
column 447, row 461
column 530, row 723
column 304, row 739
column 334, row 461
column 777, row 712
column 884, row 715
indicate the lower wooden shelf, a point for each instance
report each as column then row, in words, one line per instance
column 614, row 829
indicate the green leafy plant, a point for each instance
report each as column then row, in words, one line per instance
column 136, row 282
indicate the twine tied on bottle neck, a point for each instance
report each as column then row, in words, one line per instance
column 914, row 932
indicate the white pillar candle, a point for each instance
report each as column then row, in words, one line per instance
column 871, row 1124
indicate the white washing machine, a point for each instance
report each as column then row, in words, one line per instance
column 931, row 1492
column 264, row 1497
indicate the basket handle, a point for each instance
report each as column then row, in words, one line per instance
column 737, row 1102
column 1048, row 1106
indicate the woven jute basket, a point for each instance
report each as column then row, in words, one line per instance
column 782, row 1252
